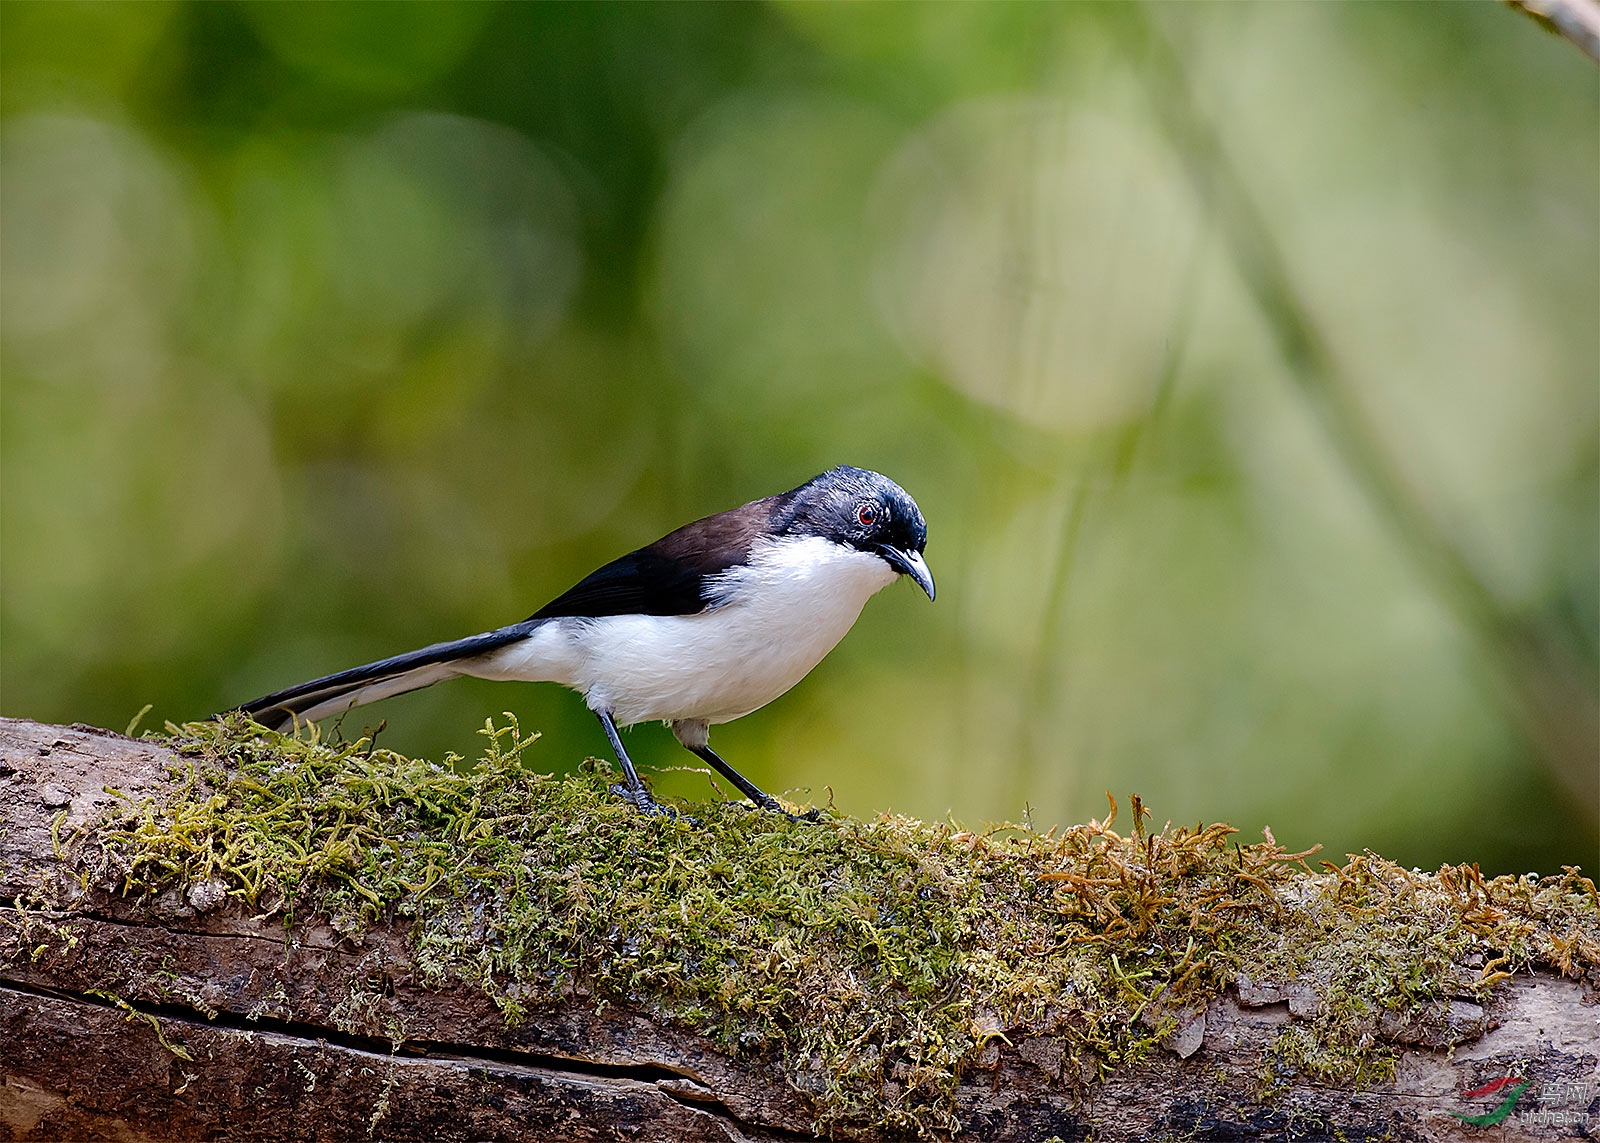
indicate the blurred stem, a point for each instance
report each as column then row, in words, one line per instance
column 1549, row 687
column 1037, row 678
column 1575, row 20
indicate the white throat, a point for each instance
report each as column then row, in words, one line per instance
column 771, row 621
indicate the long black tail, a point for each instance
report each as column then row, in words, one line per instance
column 333, row 694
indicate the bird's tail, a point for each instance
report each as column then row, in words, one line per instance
column 334, row 694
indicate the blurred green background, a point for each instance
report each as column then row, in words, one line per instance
column 1242, row 358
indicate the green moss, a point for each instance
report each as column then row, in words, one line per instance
column 134, row 1015
column 874, row 959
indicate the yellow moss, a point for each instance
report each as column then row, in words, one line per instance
column 873, row 959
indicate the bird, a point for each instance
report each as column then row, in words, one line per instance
column 709, row 623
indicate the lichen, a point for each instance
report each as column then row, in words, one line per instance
column 876, row 960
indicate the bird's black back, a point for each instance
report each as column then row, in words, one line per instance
column 668, row 577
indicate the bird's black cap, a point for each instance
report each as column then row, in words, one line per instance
column 864, row 509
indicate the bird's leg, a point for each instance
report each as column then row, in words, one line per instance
column 634, row 793
column 749, row 788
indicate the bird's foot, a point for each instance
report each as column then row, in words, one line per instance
column 773, row 806
column 641, row 800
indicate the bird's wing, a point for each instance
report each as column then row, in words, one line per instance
column 639, row 583
column 671, row 576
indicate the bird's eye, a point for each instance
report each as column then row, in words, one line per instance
column 867, row 514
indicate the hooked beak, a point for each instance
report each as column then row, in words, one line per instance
column 911, row 564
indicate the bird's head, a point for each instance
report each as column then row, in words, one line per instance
column 864, row 510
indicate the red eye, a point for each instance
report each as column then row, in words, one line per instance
column 868, row 515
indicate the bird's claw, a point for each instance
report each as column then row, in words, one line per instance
column 773, row 806
column 642, row 801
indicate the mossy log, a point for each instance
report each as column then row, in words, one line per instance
column 226, row 933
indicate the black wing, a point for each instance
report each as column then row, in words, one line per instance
column 640, row 583
column 670, row 577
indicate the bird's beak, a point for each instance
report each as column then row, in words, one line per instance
column 911, row 564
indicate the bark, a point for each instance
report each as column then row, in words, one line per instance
column 95, row 1028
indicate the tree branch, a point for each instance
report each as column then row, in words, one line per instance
column 177, row 961
column 1575, row 20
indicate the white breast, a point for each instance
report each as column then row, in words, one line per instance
column 782, row 613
